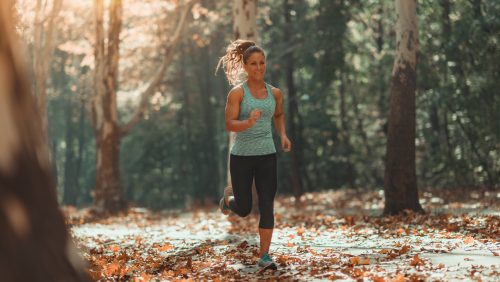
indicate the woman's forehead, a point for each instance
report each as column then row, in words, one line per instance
column 256, row 56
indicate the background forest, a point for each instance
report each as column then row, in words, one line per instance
column 333, row 61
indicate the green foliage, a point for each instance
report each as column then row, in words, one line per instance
column 178, row 154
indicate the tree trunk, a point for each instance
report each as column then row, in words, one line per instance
column 400, row 176
column 293, row 109
column 109, row 195
column 244, row 27
column 34, row 242
column 108, row 191
column 345, row 132
column 108, row 133
column 43, row 48
column 212, row 174
column 70, row 179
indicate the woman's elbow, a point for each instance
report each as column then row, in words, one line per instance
column 228, row 127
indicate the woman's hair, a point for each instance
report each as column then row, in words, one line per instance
column 237, row 54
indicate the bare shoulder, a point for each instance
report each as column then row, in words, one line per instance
column 236, row 93
column 276, row 92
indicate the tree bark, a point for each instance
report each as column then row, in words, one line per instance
column 293, row 109
column 70, row 178
column 43, row 48
column 34, row 242
column 400, row 176
column 244, row 27
column 108, row 133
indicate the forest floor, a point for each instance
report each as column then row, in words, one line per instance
column 329, row 236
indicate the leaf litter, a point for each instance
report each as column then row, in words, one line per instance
column 330, row 235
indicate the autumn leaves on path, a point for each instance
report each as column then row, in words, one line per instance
column 337, row 237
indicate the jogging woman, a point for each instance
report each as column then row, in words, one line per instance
column 250, row 107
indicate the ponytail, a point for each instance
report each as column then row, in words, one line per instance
column 237, row 54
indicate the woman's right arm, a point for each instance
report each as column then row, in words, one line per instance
column 234, row 99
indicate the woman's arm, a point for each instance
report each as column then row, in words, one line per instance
column 279, row 120
column 234, row 99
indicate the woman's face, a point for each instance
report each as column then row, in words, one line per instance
column 256, row 66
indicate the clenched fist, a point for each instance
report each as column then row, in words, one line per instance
column 254, row 116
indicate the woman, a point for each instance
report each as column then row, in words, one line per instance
column 250, row 107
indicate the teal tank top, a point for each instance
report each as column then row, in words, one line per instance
column 258, row 139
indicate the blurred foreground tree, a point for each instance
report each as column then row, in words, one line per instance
column 34, row 243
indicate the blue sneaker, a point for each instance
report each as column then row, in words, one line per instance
column 266, row 262
column 223, row 207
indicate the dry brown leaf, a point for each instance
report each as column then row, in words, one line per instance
column 355, row 260
column 399, row 278
column 114, row 248
column 300, row 231
column 166, row 247
column 468, row 240
column 416, row 261
column 404, row 249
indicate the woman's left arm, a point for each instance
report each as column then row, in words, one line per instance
column 279, row 120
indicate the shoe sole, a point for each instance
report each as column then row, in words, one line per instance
column 221, row 207
column 228, row 192
column 272, row 266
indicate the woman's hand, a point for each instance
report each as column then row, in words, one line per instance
column 254, row 116
column 285, row 143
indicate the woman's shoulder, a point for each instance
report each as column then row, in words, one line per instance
column 275, row 90
column 236, row 92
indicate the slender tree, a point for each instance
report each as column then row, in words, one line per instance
column 107, row 130
column 400, row 176
column 244, row 27
column 34, row 242
column 294, row 119
column 43, row 48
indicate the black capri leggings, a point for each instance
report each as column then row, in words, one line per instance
column 243, row 170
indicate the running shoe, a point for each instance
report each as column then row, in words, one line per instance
column 267, row 263
column 223, row 207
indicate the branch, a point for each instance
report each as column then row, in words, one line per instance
column 159, row 74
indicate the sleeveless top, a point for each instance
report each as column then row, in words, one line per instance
column 258, row 139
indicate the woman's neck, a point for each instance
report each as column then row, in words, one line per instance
column 255, row 83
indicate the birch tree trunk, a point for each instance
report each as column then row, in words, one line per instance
column 244, row 27
column 108, row 132
column 34, row 242
column 400, row 177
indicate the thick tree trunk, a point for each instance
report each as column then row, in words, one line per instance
column 109, row 194
column 293, row 109
column 400, row 176
column 34, row 242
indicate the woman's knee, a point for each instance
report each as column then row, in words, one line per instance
column 245, row 211
column 266, row 221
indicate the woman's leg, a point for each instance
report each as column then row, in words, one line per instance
column 241, row 169
column 266, row 184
